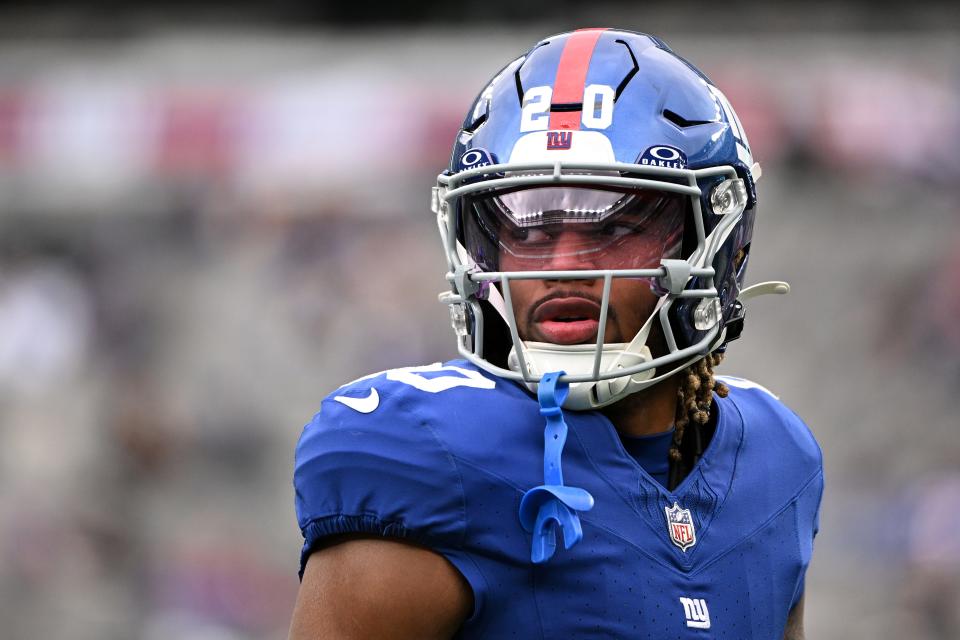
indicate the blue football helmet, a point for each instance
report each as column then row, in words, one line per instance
column 604, row 132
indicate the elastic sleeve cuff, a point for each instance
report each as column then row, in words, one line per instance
column 318, row 530
column 315, row 532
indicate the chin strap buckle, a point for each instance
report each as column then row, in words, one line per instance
column 552, row 505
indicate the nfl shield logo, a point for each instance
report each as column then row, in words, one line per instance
column 680, row 525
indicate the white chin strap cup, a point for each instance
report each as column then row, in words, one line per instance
column 578, row 359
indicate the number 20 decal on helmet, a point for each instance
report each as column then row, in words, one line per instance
column 589, row 130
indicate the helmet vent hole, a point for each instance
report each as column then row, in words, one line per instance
column 472, row 128
column 630, row 74
column 682, row 122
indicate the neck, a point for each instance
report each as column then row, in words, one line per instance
column 646, row 412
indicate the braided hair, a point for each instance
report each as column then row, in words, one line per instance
column 694, row 401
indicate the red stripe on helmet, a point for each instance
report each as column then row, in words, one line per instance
column 571, row 76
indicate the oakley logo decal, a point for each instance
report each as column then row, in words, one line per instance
column 664, row 156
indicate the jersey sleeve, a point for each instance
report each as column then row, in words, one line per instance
column 383, row 472
column 786, row 439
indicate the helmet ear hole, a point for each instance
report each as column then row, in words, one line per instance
column 497, row 341
column 689, row 233
column 740, row 260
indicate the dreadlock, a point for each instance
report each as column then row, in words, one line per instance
column 694, row 400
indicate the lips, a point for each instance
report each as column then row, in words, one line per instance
column 567, row 320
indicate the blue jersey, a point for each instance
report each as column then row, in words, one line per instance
column 441, row 456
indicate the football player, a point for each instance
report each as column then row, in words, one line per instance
column 579, row 472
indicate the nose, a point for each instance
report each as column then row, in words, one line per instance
column 571, row 252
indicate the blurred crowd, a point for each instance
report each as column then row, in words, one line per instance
column 154, row 374
column 201, row 238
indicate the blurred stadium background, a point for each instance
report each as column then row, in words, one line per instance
column 211, row 215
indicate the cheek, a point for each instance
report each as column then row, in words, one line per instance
column 634, row 302
column 634, row 252
column 506, row 262
column 523, row 293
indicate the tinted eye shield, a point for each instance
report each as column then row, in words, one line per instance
column 571, row 227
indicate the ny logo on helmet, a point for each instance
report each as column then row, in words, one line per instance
column 559, row 139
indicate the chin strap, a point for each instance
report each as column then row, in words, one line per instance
column 580, row 359
column 552, row 504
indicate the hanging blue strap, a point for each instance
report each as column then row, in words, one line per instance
column 552, row 504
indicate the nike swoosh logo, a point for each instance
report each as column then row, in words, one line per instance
column 363, row 405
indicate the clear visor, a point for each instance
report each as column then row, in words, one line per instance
column 573, row 228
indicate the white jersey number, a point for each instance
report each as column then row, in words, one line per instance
column 458, row 377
